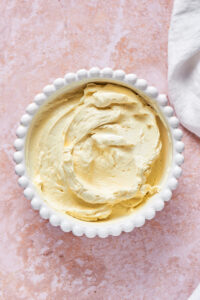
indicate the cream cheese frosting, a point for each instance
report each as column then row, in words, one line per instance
column 91, row 152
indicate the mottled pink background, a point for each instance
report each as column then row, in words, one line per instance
column 39, row 41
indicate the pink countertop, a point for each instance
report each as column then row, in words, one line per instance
column 41, row 40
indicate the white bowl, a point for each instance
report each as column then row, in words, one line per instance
column 146, row 211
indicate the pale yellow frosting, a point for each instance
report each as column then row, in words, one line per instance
column 92, row 151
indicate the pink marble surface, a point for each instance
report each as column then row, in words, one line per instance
column 41, row 40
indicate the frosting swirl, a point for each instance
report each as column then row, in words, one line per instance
column 92, row 150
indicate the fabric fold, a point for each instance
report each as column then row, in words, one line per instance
column 184, row 63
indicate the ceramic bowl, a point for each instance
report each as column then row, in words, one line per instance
column 146, row 211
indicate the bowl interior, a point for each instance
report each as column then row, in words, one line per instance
column 163, row 166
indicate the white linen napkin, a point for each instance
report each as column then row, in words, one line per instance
column 196, row 294
column 184, row 63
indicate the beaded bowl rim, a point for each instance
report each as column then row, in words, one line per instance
column 148, row 210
